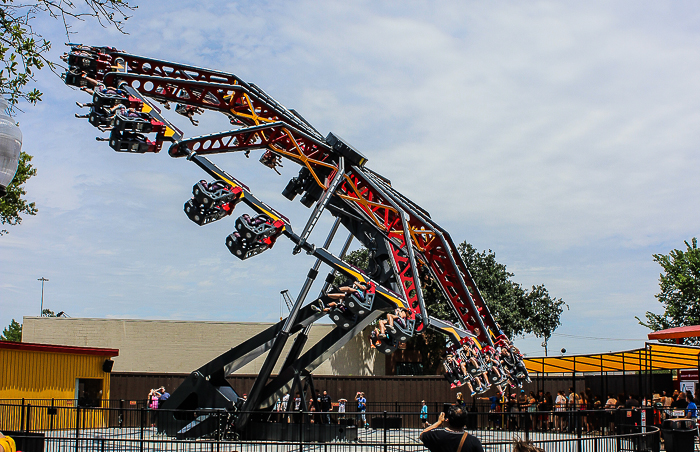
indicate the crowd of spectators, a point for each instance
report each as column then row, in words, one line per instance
column 555, row 413
column 320, row 408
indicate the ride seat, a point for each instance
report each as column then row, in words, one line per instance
column 494, row 378
column 387, row 346
column 404, row 333
column 133, row 124
column 255, row 229
column 359, row 306
column 102, row 99
column 98, row 117
column 242, row 248
column 343, row 319
column 131, row 142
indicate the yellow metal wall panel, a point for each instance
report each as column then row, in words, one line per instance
column 33, row 375
column 42, row 375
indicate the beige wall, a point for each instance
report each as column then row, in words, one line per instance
column 183, row 346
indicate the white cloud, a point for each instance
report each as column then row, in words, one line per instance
column 562, row 135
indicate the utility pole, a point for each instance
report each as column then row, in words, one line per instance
column 43, row 280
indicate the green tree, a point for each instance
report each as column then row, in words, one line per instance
column 48, row 313
column 517, row 310
column 23, row 50
column 506, row 299
column 680, row 290
column 544, row 313
column 430, row 344
column 12, row 204
column 12, row 333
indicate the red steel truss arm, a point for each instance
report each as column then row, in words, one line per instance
column 374, row 200
column 270, row 129
column 278, row 137
column 112, row 59
column 447, row 265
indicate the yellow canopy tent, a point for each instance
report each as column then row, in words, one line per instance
column 653, row 356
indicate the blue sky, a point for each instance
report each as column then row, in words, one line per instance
column 561, row 135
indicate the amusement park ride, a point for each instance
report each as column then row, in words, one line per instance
column 407, row 248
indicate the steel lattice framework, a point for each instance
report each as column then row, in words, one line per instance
column 407, row 247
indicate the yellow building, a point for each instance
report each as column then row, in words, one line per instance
column 52, row 378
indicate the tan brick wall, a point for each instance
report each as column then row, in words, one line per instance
column 181, row 346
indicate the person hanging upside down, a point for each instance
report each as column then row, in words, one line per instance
column 189, row 111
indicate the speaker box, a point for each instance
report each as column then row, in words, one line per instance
column 107, row 365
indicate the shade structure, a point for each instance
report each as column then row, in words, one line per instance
column 676, row 333
column 653, row 356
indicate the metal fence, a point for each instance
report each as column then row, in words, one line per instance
column 134, row 429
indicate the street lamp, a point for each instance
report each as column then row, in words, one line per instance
column 10, row 146
column 43, row 280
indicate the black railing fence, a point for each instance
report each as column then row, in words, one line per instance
column 63, row 426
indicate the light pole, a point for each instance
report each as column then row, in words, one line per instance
column 43, row 280
column 10, row 147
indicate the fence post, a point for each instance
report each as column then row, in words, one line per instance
column 301, row 431
column 385, row 429
column 579, row 427
column 77, row 427
column 22, row 418
column 527, row 426
column 143, row 420
column 52, row 416
column 218, row 430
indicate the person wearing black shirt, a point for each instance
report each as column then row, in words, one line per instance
column 681, row 403
column 326, row 406
column 448, row 435
column 631, row 402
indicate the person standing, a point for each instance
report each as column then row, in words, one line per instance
column 341, row 408
column 691, row 410
column 494, row 419
column 282, row 409
column 681, row 403
column 448, row 435
column 326, row 406
column 424, row 414
column 631, row 402
column 460, row 401
column 559, row 408
column 297, row 408
column 361, row 408
column 164, row 395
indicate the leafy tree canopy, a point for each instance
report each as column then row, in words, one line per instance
column 23, row 52
column 12, row 333
column 679, row 285
column 517, row 310
column 23, row 49
column 12, row 204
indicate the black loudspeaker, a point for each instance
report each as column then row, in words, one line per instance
column 107, row 365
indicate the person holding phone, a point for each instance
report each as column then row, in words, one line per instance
column 448, row 435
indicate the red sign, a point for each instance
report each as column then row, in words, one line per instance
column 689, row 374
